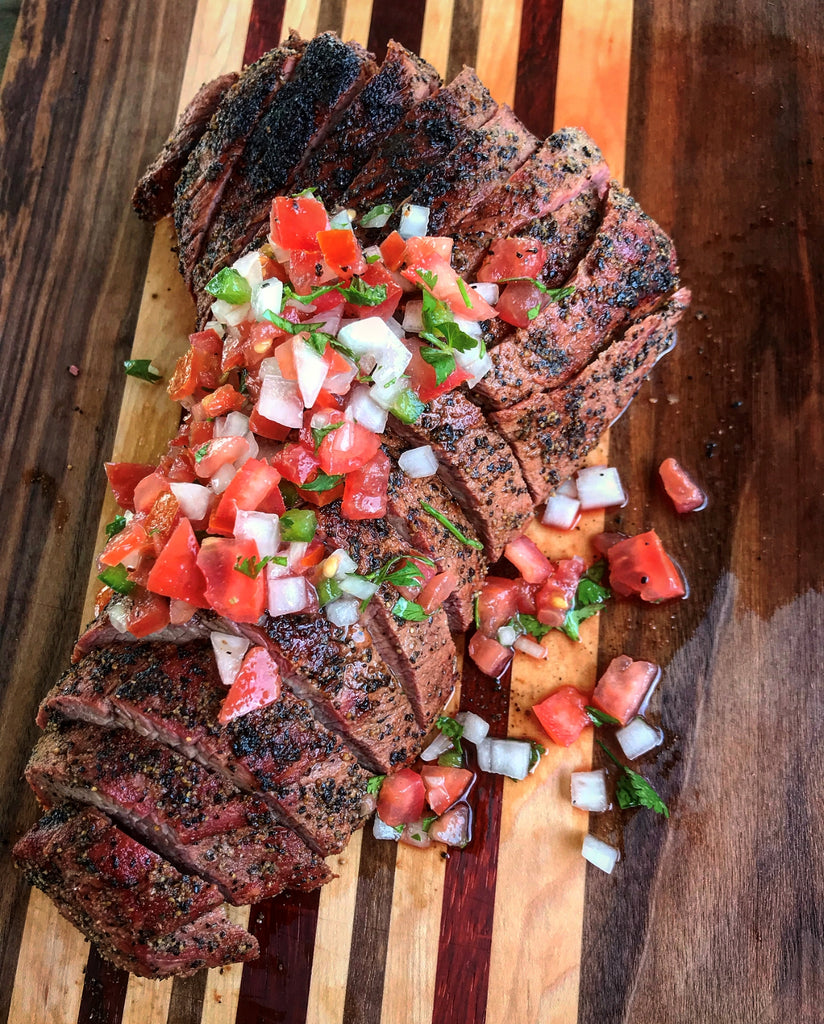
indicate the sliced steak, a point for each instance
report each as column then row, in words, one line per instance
column 326, row 81
column 406, row 515
column 101, row 632
column 78, row 852
column 553, row 432
column 154, row 194
column 420, row 654
column 173, row 694
column 627, row 273
column 199, row 192
column 185, row 812
column 567, row 163
column 403, row 80
column 426, row 134
column 465, row 177
column 477, row 465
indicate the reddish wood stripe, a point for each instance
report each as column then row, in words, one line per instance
column 400, row 21
column 538, row 64
column 462, row 981
column 265, row 26
column 104, row 992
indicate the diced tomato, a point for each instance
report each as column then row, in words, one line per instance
column 377, row 274
column 308, row 270
column 195, row 369
column 341, row 251
column 271, row 268
column 520, row 303
column 528, row 559
column 497, row 604
column 296, row 220
column 256, row 685
column 684, row 492
column 437, row 590
column 230, row 592
column 401, row 798
column 199, row 433
column 218, row 452
column 339, row 376
column 253, row 483
column 128, row 546
column 296, row 463
column 453, row 827
column 263, row 427
column 326, row 303
column 365, row 489
column 285, row 355
column 490, row 656
column 102, row 599
column 149, row 490
column 556, row 596
column 393, row 250
column 639, row 565
column 423, row 380
column 180, row 612
column 123, row 478
column 224, row 399
column 179, row 468
column 348, row 448
column 562, row 715
column 148, row 613
column 207, row 341
column 262, row 339
column 513, row 257
column 602, row 542
column 422, row 256
column 176, row 573
column 314, row 555
column 162, row 518
column 621, row 689
column 321, row 498
column 444, row 785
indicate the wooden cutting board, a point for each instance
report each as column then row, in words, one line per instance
column 497, row 932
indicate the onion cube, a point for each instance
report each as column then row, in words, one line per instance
column 589, row 790
column 639, row 737
column 419, row 463
column 311, row 370
column 568, row 488
column 438, row 746
column 561, row 512
column 380, row 830
column 414, row 221
column 505, row 757
column 366, row 411
column 345, row 611
column 268, row 298
column 229, row 651
column 222, row 477
column 261, row 527
column 599, row 487
column 488, row 291
column 280, row 401
column 507, row 635
column 475, row 729
column 601, row 854
column 249, row 266
column 287, row 595
column 195, row 500
column 413, row 316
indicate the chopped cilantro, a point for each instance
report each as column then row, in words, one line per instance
column 372, row 257
column 529, row 624
column 452, row 729
column 409, row 610
column 599, row 718
column 322, row 482
column 251, row 567
column 408, row 574
column 287, row 325
column 115, row 526
column 143, row 370
column 633, row 790
column 374, row 784
column 242, row 383
column 533, row 311
column 318, row 433
column 200, row 453
column 441, row 332
column 464, row 293
column 377, row 216
column 449, row 525
column 427, row 823
column 589, row 600
column 359, row 293
column 536, row 750
column 442, row 362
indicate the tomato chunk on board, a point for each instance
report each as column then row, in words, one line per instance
column 682, row 490
column 401, row 798
column 444, row 785
column 639, row 565
column 562, row 715
column 490, row 656
column 621, row 689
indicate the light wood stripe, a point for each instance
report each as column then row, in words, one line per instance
column 437, row 30
column 498, row 41
column 302, row 16
column 356, row 21
column 223, row 984
column 147, row 1000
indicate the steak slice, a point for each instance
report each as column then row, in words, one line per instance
column 406, row 515
column 627, row 273
column 191, row 816
column 326, row 81
column 154, row 193
column 199, row 192
column 173, row 694
column 477, row 465
column 420, row 654
column 553, row 432
column 403, row 80
column 465, row 177
column 77, row 852
column 424, row 136
column 566, row 164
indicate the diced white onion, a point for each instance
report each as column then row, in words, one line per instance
column 639, row 737
column 414, row 221
column 268, row 298
column 251, row 452
column 531, row 647
column 413, row 316
column 329, row 319
column 475, row 729
column 488, row 291
column 234, row 424
column 216, row 326
column 371, row 336
column 561, row 512
column 419, row 463
column 311, row 370
column 589, row 790
column 414, row 834
column 340, row 564
column 374, row 250
column 287, row 595
column 599, row 487
column 118, row 612
column 387, row 394
column 226, row 313
column 222, row 477
column 341, row 219
column 261, row 527
column 395, row 327
column 475, row 364
column 470, row 327
column 345, row 611
column 358, row 587
column 249, row 266
column 438, row 746
column 229, row 651
column 601, row 854
column 295, row 552
column 366, row 411
column 269, row 367
column 274, row 571
column 507, row 635
column 301, row 307
column 194, row 499
column 280, row 401
column 504, row 757
column 568, row 488
column 380, row 830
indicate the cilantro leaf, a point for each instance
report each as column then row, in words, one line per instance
column 374, row 784
column 287, row 325
column 320, row 432
column 377, row 216
column 590, row 597
column 409, row 610
column 464, row 293
column 372, row 257
column 409, row 574
column 449, row 525
column 115, row 526
column 359, row 293
column 536, row 750
column 250, row 566
column 452, row 729
column 529, row 624
column 451, row 759
column 322, row 482
column 442, row 362
column 598, row 717
column 427, row 823
column 143, row 370
column 632, row 789
column 533, row 312
column 574, row 618
column 553, row 294
column 200, row 453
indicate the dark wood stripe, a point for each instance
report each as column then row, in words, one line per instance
column 9, row 10
column 265, row 28
column 330, row 16
column 401, row 21
column 463, row 39
column 538, row 64
column 370, row 931
column 186, row 1004
column 462, row 981
column 104, row 992
column 274, row 989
